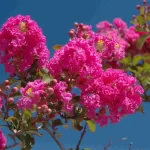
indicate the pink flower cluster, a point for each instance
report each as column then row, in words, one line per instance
column 2, row 141
column 77, row 61
column 109, row 41
column 21, row 42
column 40, row 94
column 111, row 96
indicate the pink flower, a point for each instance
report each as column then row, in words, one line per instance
column 2, row 141
column 119, row 23
column 75, row 61
column 31, row 94
column 131, row 35
column 112, row 94
column 61, row 94
column 103, row 25
column 21, row 42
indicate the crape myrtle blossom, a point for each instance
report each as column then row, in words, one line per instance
column 109, row 41
column 77, row 61
column 111, row 96
column 21, row 42
column 38, row 93
column 2, row 141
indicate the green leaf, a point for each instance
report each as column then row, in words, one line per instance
column 57, row 47
column 142, row 10
column 141, row 40
column 91, row 125
column 86, row 149
column 136, row 59
column 141, row 20
column 47, row 78
column 11, row 118
column 126, row 60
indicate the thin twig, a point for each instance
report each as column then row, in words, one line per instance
column 130, row 146
column 55, row 138
column 11, row 146
column 108, row 145
column 81, row 137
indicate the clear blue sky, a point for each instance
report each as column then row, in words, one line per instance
column 56, row 17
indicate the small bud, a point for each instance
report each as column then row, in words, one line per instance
column 49, row 111
column 138, row 7
column 84, row 28
column 15, row 89
column 44, row 108
column 1, row 91
column 7, row 87
column 10, row 100
column 7, row 82
column 133, row 16
column 144, row 2
column 50, row 91
column 85, row 36
column 76, row 24
column 54, row 81
column 81, row 25
column 71, row 33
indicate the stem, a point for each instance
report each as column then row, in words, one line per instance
column 81, row 137
column 11, row 146
column 55, row 138
column 130, row 146
column 108, row 145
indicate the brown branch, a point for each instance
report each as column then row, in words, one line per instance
column 11, row 146
column 54, row 137
column 81, row 137
column 108, row 145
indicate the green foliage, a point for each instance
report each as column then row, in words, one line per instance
column 91, row 125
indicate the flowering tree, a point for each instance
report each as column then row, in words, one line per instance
column 110, row 68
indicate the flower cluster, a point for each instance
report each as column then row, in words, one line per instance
column 2, row 141
column 21, row 42
column 77, row 61
column 39, row 94
column 111, row 96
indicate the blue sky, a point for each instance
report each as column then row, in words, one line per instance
column 56, row 18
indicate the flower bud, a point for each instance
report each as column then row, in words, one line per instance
column 44, row 108
column 81, row 25
column 7, row 87
column 138, row 7
column 1, row 91
column 15, row 89
column 50, row 91
column 71, row 33
column 49, row 111
column 54, row 81
column 76, row 24
column 144, row 2
column 7, row 82
column 10, row 100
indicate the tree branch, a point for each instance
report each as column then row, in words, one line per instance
column 55, row 138
column 11, row 146
column 81, row 137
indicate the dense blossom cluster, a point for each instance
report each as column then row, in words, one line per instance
column 2, row 141
column 76, row 61
column 38, row 94
column 110, row 96
column 21, row 42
